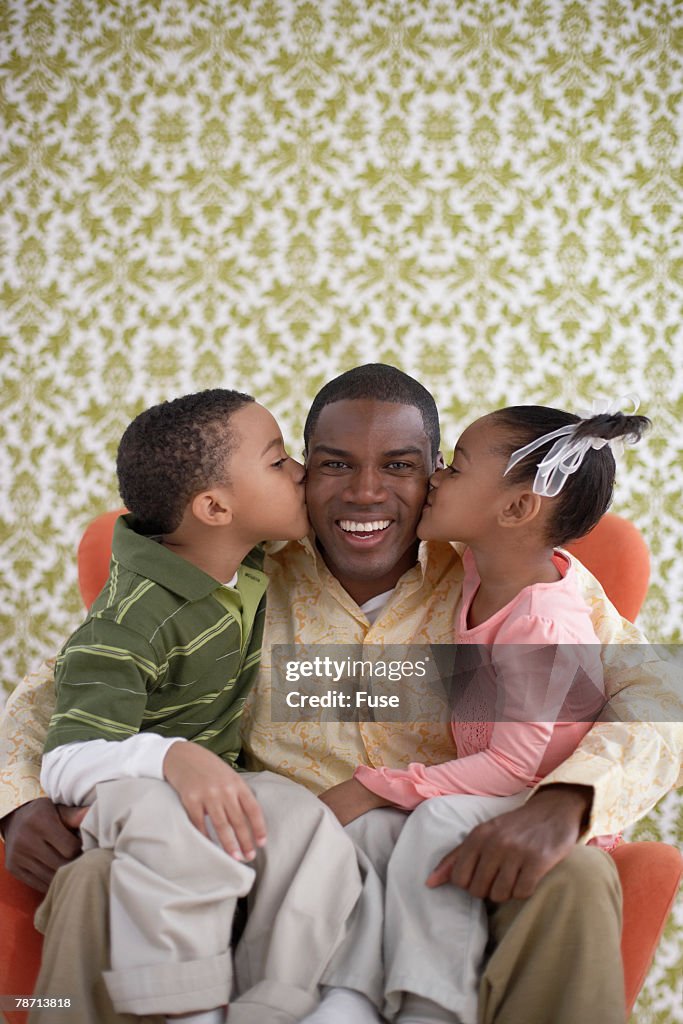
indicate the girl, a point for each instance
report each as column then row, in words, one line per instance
column 523, row 481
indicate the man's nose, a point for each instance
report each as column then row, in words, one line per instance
column 365, row 487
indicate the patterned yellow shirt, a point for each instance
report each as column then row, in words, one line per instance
column 630, row 762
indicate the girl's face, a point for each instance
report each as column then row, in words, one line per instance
column 465, row 499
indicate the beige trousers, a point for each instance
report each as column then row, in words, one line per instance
column 555, row 960
column 172, row 899
column 557, row 955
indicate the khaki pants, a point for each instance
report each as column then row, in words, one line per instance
column 302, row 890
column 556, row 957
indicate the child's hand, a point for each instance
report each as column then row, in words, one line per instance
column 72, row 816
column 350, row 799
column 206, row 785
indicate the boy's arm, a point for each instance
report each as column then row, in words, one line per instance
column 105, row 674
column 38, row 837
column 70, row 772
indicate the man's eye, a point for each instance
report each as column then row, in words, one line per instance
column 334, row 464
column 400, row 465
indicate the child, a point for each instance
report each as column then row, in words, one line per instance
column 523, row 481
column 151, row 687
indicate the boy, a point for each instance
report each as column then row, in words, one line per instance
column 153, row 685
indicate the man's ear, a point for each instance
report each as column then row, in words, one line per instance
column 440, row 462
column 520, row 509
column 212, row 507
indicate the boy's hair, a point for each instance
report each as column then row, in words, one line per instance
column 173, row 451
column 587, row 493
column 383, row 383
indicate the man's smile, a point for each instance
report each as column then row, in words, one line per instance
column 364, row 533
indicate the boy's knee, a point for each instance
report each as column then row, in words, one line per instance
column 140, row 800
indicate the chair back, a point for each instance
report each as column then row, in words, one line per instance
column 94, row 555
column 617, row 555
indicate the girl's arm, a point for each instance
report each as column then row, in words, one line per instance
column 505, row 767
column 557, row 677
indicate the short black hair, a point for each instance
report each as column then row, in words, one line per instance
column 173, row 451
column 383, row 383
column 587, row 493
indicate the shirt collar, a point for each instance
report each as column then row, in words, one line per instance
column 144, row 555
column 430, row 555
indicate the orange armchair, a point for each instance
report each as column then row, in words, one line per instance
column 615, row 552
column 649, row 872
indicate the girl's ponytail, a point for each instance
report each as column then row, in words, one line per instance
column 613, row 426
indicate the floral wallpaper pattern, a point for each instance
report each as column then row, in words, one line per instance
column 262, row 193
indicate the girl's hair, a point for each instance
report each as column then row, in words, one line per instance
column 587, row 493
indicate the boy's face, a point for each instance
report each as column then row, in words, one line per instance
column 266, row 485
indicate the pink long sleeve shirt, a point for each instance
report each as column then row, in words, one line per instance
column 549, row 696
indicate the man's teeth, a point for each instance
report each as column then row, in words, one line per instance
column 349, row 526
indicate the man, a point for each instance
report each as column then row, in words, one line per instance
column 371, row 443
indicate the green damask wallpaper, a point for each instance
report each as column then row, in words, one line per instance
column 261, row 193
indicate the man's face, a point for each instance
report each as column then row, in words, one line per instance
column 367, row 468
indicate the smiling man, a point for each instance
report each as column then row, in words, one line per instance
column 371, row 443
column 368, row 490
column 372, row 439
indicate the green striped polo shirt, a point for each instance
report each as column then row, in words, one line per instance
column 165, row 649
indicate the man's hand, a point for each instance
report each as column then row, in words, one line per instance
column 207, row 786
column 39, row 840
column 506, row 857
column 350, row 799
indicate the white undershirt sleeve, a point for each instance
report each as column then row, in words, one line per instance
column 70, row 773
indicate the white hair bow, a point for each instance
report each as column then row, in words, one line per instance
column 568, row 452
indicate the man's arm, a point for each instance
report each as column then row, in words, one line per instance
column 632, row 756
column 38, row 839
column 506, row 857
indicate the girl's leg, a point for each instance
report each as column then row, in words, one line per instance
column 434, row 939
column 358, row 963
column 353, row 984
